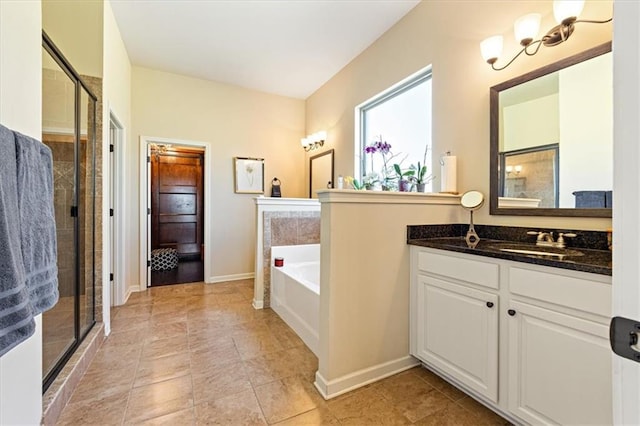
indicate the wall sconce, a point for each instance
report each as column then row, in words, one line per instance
column 313, row 141
column 511, row 169
column 526, row 29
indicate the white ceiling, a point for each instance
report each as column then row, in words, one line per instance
column 286, row 47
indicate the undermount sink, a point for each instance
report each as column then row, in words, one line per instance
column 532, row 250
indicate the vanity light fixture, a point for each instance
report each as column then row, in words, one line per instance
column 518, row 169
column 313, row 141
column 526, row 30
column 508, row 169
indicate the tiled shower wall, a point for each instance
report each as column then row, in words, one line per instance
column 287, row 229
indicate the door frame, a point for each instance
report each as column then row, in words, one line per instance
column 145, row 191
column 116, row 262
column 626, row 207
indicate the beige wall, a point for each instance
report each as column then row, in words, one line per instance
column 586, row 129
column 76, row 27
column 447, row 34
column 20, row 110
column 237, row 122
column 117, row 101
column 520, row 131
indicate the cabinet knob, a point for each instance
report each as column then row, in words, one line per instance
column 511, row 312
column 489, row 304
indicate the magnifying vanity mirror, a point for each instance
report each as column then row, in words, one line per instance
column 552, row 139
column 472, row 201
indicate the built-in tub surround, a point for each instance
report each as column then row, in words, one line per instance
column 364, row 282
column 279, row 222
column 592, row 245
column 295, row 289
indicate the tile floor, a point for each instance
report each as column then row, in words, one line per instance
column 200, row 354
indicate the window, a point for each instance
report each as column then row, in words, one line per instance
column 400, row 116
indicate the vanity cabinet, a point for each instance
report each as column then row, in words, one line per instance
column 457, row 319
column 527, row 340
column 559, row 359
column 458, row 332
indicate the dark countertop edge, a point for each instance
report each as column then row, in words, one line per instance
column 581, row 267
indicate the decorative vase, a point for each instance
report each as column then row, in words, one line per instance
column 421, row 187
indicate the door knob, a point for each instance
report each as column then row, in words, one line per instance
column 489, row 304
column 511, row 312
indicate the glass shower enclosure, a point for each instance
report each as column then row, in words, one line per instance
column 69, row 129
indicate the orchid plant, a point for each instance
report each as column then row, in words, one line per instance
column 385, row 176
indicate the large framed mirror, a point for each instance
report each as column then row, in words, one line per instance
column 320, row 172
column 552, row 139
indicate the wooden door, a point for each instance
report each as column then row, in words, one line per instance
column 177, row 201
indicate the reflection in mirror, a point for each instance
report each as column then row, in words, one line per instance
column 530, row 174
column 320, row 172
column 472, row 200
column 552, row 139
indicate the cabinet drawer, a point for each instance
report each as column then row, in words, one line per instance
column 573, row 292
column 477, row 272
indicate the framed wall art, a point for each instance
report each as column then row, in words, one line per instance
column 248, row 175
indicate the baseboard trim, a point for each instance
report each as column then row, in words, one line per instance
column 128, row 293
column 234, row 277
column 336, row 387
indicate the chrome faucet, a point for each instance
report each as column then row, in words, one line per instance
column 545, row 239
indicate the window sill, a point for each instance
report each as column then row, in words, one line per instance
column 386, row 197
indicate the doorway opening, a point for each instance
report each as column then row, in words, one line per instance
column 177, row 214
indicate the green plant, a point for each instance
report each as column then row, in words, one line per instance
column 420, row 172
column 354, row 183
column 403, row 175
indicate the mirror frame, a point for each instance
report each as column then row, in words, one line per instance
column 332, row 173
column 494, row 96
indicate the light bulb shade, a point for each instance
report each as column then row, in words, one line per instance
column 563, row 9
column 491, row 48
column 518, row 168
column 322, row 135
column 526, row 28
column 509, row 169
column 304, row 142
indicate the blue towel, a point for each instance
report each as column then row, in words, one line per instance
column 28, row 246
column 37, row 221
column 16, row 317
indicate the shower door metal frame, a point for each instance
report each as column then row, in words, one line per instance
column 64, row 64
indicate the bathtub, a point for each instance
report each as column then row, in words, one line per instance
column 295, row 290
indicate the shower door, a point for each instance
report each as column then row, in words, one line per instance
column 68, row 128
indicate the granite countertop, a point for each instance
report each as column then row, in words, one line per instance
column 592, row 258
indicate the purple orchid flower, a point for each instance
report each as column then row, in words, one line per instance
column 383, row 147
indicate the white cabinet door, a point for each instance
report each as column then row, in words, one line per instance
column 559, row 367
column 457, row 332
